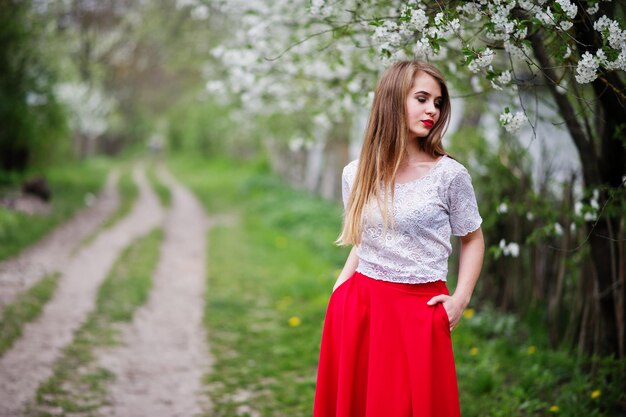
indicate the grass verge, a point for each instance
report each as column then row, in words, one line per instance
column 128, row 192
column 78, row 384
column 26, row 308
column 162, row 191
column 70, row 184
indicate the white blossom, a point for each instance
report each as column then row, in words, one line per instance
column 308, row 75
column 517, row 52
column 570, row 9
column 513, row 122
column 89, row 107
column 561, row 87
column 593, row 9
column 200, row 12
column 215, row 86
column 586, row 70
column 568, row 52
column 558, row 229
column 502, row 208
column 547, row 18
column 418, row 20
column 422, row 48
column 482, row 60
column 36, row 99
column 469, row 11
column 513, row 249
column 296, row 144
column 509, row 249
column 594, row 199
column 578, row 208
column 501, row 80
column 320, row 9
column 601, row 57
column 590, row 216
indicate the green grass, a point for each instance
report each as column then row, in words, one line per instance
column 162, row 190
column 70, row 183
column 218, row 184
column 24, row 309
column 266, row 307
column 128, row 192
column 78, row 384
column 505, row 371
column 278, row 263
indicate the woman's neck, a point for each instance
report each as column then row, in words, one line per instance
column 415, row 155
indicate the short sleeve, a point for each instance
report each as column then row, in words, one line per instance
column 345, row 188
column 462, row 205
column 347, row 179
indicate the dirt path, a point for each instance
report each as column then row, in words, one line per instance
column 30, row 360
column 55, row 250
column 159, row 367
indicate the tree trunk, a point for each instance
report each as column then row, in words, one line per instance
column 603, row 166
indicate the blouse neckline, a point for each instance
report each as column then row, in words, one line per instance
column 428, row 173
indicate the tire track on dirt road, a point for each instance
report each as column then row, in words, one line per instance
column 164, row 354
column 30, row 360
column 48, row 255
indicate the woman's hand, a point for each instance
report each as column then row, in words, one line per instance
column 472, row 251
column 452, row 306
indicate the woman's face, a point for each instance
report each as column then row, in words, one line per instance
column 423, row 105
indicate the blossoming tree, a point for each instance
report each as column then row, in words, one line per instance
column 325, row 55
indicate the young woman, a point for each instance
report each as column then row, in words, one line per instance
column 386, row 348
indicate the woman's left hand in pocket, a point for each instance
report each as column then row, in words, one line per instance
column 453, row 308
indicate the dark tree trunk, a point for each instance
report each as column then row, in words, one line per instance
column 603, row 157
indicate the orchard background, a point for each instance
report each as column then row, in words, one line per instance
column 258, row 105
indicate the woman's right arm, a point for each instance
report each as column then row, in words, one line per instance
column 348, row 269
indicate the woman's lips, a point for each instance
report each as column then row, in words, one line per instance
column 427, row 123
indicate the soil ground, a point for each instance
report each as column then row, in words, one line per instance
column 164, row 354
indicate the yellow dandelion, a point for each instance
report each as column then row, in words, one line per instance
column 554, row 409
column 596, row 394
column 280, row 242
column 532, row 349
column 469, row 313
column 294, row 321
column 473, row 351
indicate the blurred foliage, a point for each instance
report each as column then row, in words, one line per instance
column 32, row 122
column 202, row 126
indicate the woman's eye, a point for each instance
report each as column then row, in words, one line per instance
column 421, row 99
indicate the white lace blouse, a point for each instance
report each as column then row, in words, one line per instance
column 426, row 212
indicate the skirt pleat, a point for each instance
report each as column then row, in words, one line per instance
column 385, row 352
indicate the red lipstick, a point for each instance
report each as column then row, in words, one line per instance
column 427, row 123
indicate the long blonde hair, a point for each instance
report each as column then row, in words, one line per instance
column 385, row 143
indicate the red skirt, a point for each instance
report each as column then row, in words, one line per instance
column 386, row 353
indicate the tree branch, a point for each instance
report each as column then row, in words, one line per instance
column 583, row 144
